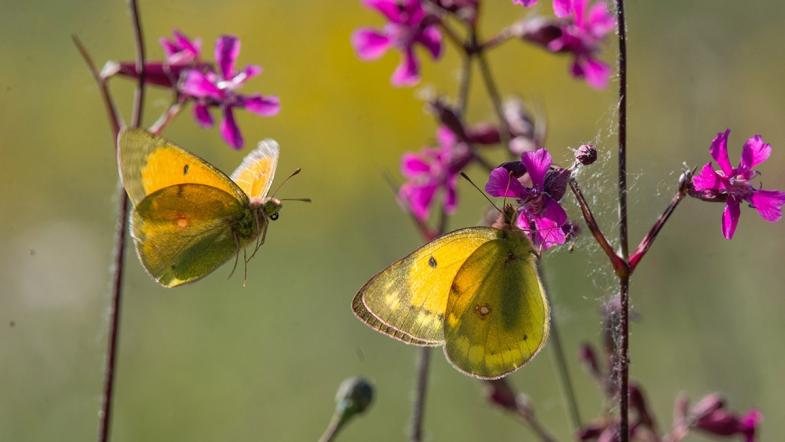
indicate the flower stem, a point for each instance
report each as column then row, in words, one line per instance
column 421, row 388
column 120, row 242
column 624, row 277
column 619, row 265
column 493, row 94
column 648, row 240
column 334, row 427
column 564, row 376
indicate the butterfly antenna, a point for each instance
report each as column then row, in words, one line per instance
column 296, row 171
column 466, row 177
column 302, row 200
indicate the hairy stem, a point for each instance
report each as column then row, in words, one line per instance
column 619, row 265
column 421, row 388
column 624, row 278
column 120, row 242
column 648, row 240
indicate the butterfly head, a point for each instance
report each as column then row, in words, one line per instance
column 267, row 208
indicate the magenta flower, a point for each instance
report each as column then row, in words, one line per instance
column 582, row 36
column 710, row 416
column 541, row 216
column 182, row 54
column 408, row 25
column 733, row 186
column 431, row 170
column 211, row 89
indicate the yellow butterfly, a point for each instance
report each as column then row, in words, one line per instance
column 476, row 291
column 188, row 217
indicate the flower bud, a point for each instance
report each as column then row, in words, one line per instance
column 354, row 396
column 586, row 154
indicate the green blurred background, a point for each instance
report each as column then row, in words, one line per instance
column 218, row 362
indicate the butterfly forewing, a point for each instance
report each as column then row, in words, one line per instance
column 497, row 315
column 149, row 163
column 410, row 296
column 184, row 232
column 255, row 174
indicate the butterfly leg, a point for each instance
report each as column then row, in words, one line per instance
column 260, row 239
column 236, row 255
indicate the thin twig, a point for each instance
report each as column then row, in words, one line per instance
column 648, row 240
column 618, row 264
column 136, row 120
column 167, row 117
column 464, row 85
column 624, row 278
column 421, row 388
column 120, row 242
column 111, row 110
column 333, row 428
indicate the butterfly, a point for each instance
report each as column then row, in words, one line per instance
column 475, row 291
column 189, row 217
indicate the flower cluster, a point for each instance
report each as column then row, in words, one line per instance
column 203, row 84
column 732, row 184
column 408, row 26
column 537, row 187
column 578, row 30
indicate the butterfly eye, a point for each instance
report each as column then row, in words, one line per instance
column 274, row 216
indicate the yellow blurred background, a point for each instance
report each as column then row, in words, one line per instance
column 218, row 362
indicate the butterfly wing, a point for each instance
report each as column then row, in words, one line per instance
column 256, row 172
column 408, row 299
column 184, row 232
column 149, row 163
column 497, row 315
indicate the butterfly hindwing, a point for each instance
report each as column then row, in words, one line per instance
column 149, row 163
column 184, row 232
column 408, row 299
column 255, row 174
column 497, row 315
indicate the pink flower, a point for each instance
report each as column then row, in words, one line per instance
column 579, row 32
column 710, row 416
column 408, row 25
column 211, row 89
column 182, row 54
column 733, row 186
column 540, row 216
column 431, row 170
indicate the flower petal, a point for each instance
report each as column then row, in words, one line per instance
column 418, row 198
column 370, row 43
column 549, row 224
column 754, row 152
column 595, row 72
column 600, row 21
column 451, row 195
column 708, row 179
column 202, row 115
column 229, row 130
column 768, row 203
column 193, row 46
column 719, row 151
column 260, row 105
column 227, row 48
column 730, row 218
column 431, row 38
column 578, row 11
column 198, row 84
column 408, row 71
column 537, row 164
column 412, row 165
column 561, row 8
column 501, row 183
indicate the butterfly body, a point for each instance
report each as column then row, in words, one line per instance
column 475, row 291
column 188, row 217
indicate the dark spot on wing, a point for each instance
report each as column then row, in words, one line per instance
column 525, row 337
column 432, row 262
column 185, row 170
column 180, row 189
column 482, row 310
